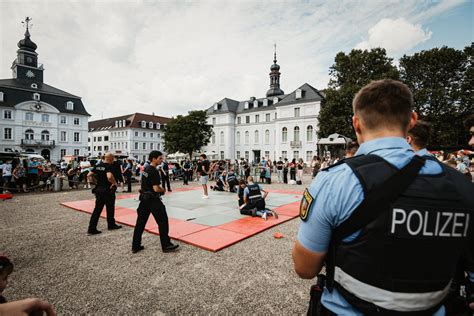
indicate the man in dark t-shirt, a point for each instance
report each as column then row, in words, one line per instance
column 203, row 171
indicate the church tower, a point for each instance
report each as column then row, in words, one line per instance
column 25, row 66
column 274, row 78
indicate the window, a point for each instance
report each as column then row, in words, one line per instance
column 152, row 135
column 45, row 135
column 76, row 152
column 267, row 154
column 44, row 118
column 36, row 96
column 265, row 102
column 247, row 136
column 239, row 120
column 247, row 155
column 296, row 134
column 99, row 139
column 237, row 154
column 116, row 123
column 95, row 139
column 69, row 105
column 257, row 118
column 144, row 134
column 222, row 155
column 106, row 148
column 275, row 116
column 76, row 137
column 151, row 146
column 213, row 138
column 29, row 116
column 150, row 125
column 275, row 100
column 1, row 96
column 64, row 152
column 144, row 146
column 7, row 115
column 297, row 112
column 284, row 154
column 62, row 119
column 296, row 154
column 213, row 121
column 158, row 146
column 256, row 137
column 284, row 134
column 267, row 137
column 7, row 133
column 136, row 134
column 120, row 124
column 29, row 134
column 221, row 139
column 106, row 138
column 237, row 138
column 143, row 124
column 247, row 119
column 309, row 134
column 267, row 117
column 246, row 106
column 157, row 125
column 136, row 146
column 309, row 156
column 77, row 121
column 99, row 148
column 63, row 136
column 299, row 94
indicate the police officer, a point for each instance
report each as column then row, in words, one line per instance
column 385, row 253
column 165, row 176
column 104, row 193
column 231, row 181
column 150, row 201
column 187, row 171
column 255, row 201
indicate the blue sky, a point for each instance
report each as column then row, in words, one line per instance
column 170, row 57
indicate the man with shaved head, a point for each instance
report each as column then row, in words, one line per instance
column 104, row 191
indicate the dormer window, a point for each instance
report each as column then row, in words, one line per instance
column 116, row 123
column 69, row 105
column 1, row 96
column 36, row 96
column 246, row 105
column 143, row 124
column 124, row 123
column 275, row 100
column 34, row 86
column 216, row 106
column 120, row 124
column 265, row 102
column 255, row 104
column 157, row 125
column 150, row 125
column 299, row 94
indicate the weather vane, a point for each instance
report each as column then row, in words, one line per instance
column 275, row 51
column 27, row 22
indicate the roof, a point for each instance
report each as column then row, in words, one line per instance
column 17, row 91
column 226, row 105
column 131, row 121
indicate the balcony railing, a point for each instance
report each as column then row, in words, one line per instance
column 295, row 144
column 37, row 143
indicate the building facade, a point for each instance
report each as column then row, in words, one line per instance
column 133, row 135
column 276, row 126
column 36, row 117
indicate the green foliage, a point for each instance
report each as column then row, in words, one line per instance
column 349, row 73
column 441, row 80
column 188, row 133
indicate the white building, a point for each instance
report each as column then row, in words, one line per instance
column 276, row 126
column 133, row 135
column 36, row 117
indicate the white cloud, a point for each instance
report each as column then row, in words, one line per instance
column 395, row 35
column 170, row 57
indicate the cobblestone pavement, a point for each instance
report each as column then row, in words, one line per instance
column 56, row 260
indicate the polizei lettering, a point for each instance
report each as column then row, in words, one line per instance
column 407, row 223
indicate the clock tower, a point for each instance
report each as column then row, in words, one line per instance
column 25, row 66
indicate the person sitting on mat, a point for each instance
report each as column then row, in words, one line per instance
column 254, row 202
column 240, row 192
column 219, row 182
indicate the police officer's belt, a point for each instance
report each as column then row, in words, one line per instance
column 146, row 196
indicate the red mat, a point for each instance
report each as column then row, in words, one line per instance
column 213, row 238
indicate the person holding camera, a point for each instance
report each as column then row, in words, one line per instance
column 104, row 193
column 150, row 202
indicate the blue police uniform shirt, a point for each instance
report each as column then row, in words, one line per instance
column 247, row 192
column 337, row 193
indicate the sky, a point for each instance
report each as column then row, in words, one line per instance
column 170, row 57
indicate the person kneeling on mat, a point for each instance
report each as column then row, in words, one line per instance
column 254, row 202
column 220, row 182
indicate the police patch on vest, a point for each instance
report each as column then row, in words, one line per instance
column 429, row 224
column 305, row 205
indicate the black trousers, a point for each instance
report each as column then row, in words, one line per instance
column 101, row 199
column 232, row 185
column 285, row 176
column 259, row 205
column 165, row 180
column 156, row 207
column 293, row 175
column 186, row 176
column 128, row 178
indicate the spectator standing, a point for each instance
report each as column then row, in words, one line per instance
column 315, row 165
column 285, row 170
column 127, row 174
column 7, row 170
column 292, row 167
column 19, row 175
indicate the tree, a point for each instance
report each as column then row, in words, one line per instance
column 188, row 133
column 349, row 73
column 441, row 80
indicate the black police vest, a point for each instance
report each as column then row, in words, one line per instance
column 231, row 177
column 101, row 170
column 254, row 192
column 149, row 174
column 404, row 261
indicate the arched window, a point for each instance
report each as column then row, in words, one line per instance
column 44, row 135
column 221, row 140
column 267, row 137
column 247, row 137
column 296, row 134
column 284, row 134
column 238, row 139
column 309, row 133
column 213, row 138
column 256, row 137
column 29, row 134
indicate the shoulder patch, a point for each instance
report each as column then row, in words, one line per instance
column 305, row 205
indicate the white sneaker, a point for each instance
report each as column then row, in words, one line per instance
column 205, row 196
column 264, row 216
